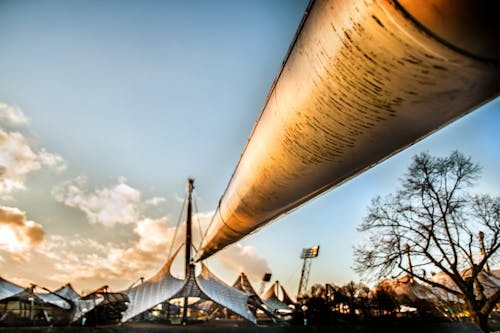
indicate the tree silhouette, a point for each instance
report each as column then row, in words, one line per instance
column 434, row 223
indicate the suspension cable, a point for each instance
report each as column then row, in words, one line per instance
column 177, row 226
column 199, row 223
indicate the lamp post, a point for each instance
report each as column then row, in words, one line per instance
column 304, row 309
column 32, row 304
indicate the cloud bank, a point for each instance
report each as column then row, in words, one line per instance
column 83, row 259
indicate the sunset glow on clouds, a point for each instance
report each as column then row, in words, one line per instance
column 18, row 235
column 80, row 260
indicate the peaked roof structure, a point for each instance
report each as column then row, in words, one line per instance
column 163, row 287
column 272, row 301
column 406, row 289
column 242, row 283
column 67, row 291
column 65, row 298
column 69, row 295
column 11, row 290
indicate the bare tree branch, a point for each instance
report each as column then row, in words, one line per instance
column 435, row 217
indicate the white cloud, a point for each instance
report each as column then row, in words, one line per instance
column 155, row 201
column 154, row 235
column 245, row 259
column 18, row 235
column 17, row 160
column 52, row 160
column 11, row 115
column 117, row 204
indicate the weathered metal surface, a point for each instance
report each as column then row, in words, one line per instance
column 363, row 80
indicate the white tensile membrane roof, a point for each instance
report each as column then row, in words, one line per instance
column 163, row 286
column 65, row 298
column 9, row 290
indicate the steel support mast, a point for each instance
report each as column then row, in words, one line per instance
column 188, row 241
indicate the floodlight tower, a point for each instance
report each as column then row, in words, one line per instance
column 307, row 254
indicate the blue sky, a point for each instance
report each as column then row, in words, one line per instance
column 122, row 101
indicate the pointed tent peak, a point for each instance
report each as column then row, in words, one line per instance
column 270, row 292
column 273, row 292
column 272, row 301
column 238, row 284
column 67, row 291
column 243, row 283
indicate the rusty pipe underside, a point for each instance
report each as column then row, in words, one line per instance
column 362, row 81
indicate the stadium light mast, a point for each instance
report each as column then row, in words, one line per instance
column 307, row 254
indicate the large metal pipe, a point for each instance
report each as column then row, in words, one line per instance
column 362, row 80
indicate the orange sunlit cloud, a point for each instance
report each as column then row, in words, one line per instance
column 17, row 235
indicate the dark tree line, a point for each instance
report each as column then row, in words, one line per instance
column 352, row 302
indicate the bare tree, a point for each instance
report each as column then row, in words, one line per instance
column 434, row 221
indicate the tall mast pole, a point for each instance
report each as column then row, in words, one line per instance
column 187, row 262
column 188, row 227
